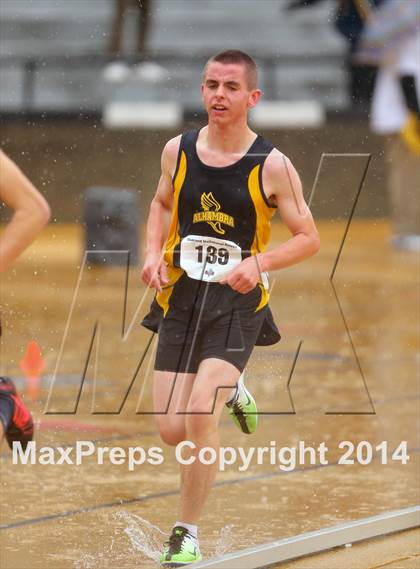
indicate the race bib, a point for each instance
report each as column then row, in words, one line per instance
column 208, row 258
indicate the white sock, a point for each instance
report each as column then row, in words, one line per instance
column 192, row 529
column 235, row 389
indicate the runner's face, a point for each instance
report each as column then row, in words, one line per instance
column 225, row 92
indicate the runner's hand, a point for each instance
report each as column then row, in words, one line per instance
column 154, row 272
column 244, row 277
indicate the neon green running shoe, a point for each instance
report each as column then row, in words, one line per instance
column 243, row 409
column 181, row 549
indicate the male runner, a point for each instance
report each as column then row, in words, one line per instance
column 221, row 184
column 30, row 213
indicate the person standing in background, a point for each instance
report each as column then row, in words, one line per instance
column 392, row 41
column 118, row 69
column 121, row 7
column 351, row 17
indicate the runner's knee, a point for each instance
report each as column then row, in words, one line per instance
column 171, row 433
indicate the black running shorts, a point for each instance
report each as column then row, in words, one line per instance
column 208, row 320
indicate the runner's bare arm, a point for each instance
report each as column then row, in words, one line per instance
column 283, row 186
column 31, row 211
column 154, row 269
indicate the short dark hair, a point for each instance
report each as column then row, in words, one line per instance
column 239, row 57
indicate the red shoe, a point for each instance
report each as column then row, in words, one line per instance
column 21, row 426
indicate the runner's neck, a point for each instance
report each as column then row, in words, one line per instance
column 215, row 144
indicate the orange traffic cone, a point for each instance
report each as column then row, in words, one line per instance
column 32, row 365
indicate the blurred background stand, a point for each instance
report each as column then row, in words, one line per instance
column 112, row 222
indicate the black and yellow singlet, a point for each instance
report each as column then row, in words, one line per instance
column 220, row 216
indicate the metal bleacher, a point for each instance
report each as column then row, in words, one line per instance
column 53, row 52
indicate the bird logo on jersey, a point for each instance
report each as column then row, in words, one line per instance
column 212, row 215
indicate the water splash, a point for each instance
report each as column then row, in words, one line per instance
column 144, row 536
column 146, row 539
column 225, row 541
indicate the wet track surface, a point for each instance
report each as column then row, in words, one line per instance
column 92, row 515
